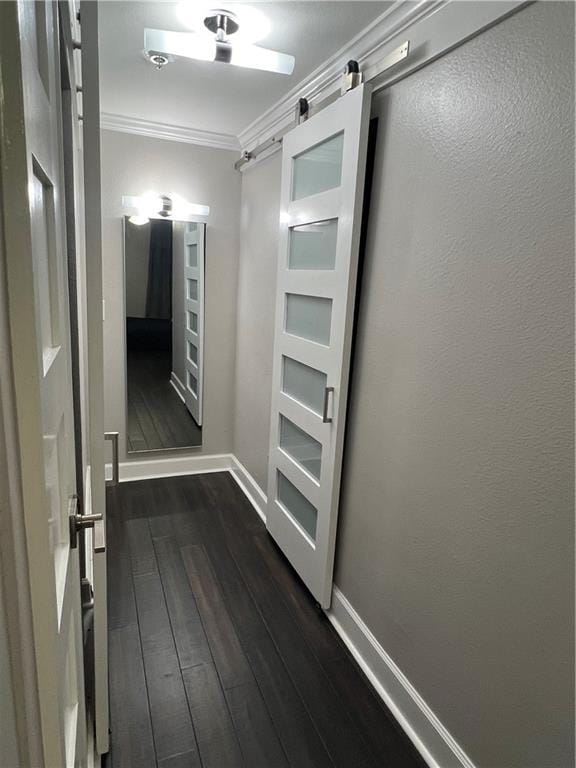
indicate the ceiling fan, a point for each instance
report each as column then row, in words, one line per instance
column 162, row 46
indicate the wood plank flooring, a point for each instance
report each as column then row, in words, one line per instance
column 157, row 417
column 218, row 655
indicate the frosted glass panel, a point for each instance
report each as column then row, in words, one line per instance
column 309, row 317
column 192, row 383
column 192, row 353
column 313, row 246
column 318, row 169
column 193, row 322
column 297, row 505
column 300, row 446
column 304, row 384
column 193, row 289
column 192, row 255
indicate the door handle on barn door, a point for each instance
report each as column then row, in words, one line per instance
column 325, row 418
column 99, row 535
column 113, row 437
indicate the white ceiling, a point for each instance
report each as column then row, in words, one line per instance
column 208, row 96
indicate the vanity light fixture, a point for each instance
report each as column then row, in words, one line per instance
column 227, row 43
column 154, row 206
column 139, row 220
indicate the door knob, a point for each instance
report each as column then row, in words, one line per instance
column 79, row 522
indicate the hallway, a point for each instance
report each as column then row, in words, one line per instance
column 157, row 419
column 218, row 656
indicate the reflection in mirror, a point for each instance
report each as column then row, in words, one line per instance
column 164, row 287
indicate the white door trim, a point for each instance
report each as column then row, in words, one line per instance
column 95, row 345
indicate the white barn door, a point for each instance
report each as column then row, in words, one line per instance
column 33, row 212
column 194, row 307
column 323, row 169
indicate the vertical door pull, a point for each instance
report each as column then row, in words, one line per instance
column 325, row 418
column 113, row 437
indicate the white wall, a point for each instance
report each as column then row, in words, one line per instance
column 255, row 323
column 456, row 529
column 137, row 261
column 132, row 165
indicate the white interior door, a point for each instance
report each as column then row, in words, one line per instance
column 323, row 170
column 194, row 307
column 40, row 339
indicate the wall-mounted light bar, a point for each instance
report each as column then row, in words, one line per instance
column 153, row 206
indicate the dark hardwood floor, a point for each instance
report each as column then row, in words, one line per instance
column 157, row 417
column 218, row 655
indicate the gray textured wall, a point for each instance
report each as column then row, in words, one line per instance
column 456, row 530
column 132, row 165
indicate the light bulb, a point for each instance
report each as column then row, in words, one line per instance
column 139, row 220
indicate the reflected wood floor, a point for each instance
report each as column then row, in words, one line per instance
column 218, row 655
column 157, row 417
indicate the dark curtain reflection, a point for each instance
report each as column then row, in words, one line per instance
column 159, row 293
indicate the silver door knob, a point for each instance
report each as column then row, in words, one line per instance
column 79, row 522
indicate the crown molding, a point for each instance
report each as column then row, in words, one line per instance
column 365, row 48
column 433, row 27
column 152, row 129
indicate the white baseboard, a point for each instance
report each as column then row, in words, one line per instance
column 178, row 386
column 250, row 487
column 172, row 466
column 436, row 745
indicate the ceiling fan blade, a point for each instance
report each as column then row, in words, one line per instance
column 200, row 47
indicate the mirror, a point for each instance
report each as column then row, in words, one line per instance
column 164, row 304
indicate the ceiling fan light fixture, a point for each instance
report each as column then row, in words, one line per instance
column 254, row 57
column 193, row 45
column 184, row 44
column 251, row 24
column 158, row 59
